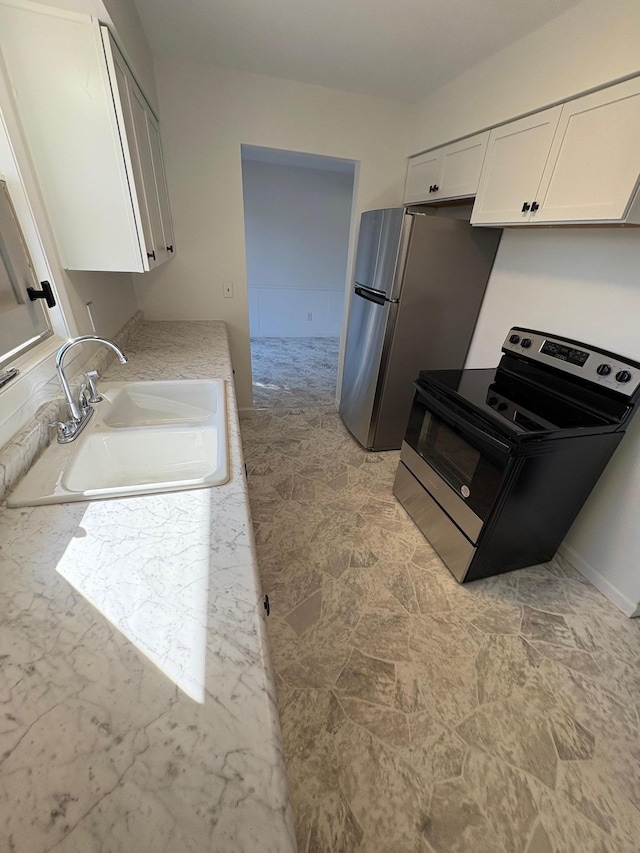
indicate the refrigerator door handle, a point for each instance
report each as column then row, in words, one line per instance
column 372, row 296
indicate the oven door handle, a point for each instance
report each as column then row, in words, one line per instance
column 459, row 419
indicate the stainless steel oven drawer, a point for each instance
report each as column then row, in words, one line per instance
column 451, row 544
column 453, row 504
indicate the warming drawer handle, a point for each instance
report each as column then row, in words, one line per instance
column 456, row 417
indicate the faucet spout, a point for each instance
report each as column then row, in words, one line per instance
column 75, row 408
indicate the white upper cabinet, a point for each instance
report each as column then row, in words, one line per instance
column 572, row 164
column 93, row 139
column 160, row 184
column 516, row 156
column 446, row 173
column 594, row 164
column 423, row 173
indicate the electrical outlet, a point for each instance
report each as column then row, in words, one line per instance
column 310, row 315
column 227, row 289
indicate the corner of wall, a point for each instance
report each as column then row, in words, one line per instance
column 621, row 601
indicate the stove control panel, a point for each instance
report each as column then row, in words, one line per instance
column 575, row 358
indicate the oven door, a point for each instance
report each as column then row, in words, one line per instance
column 457, row 457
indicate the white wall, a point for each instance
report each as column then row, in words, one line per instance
column 580, row 283
column 206, row 115
column 297, row 224
column 583, row 284
column 591, row 44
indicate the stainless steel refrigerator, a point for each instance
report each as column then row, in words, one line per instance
column 418, row 287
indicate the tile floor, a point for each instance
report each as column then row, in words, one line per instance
column 294, row 372
column 420, row 716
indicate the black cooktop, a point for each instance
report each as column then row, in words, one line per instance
column 544, row 386
column 517, row 406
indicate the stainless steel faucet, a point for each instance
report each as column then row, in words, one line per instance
column 80, row 410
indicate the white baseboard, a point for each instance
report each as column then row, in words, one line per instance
column 628, row 607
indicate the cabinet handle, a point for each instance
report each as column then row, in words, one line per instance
column 46, row 293
column 151, row 255
column 534, row 207
column 431, row 188
column 435, row 188
column 170, row 248
column 526, row 207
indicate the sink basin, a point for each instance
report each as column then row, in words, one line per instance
column 144, row 437
column 189, row 401
column 180, row 458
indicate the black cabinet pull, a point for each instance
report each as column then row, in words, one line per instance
column 170, row 248
column 151, row 255
column 534, row 207
column 526, row 207
column 435, row 188
column 431, row 188
column 267, row 605
column 46, row 293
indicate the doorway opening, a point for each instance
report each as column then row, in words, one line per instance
column 298, row 213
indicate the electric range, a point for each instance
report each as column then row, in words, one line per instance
column 497, row 463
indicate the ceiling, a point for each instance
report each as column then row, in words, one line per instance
column 400, row 49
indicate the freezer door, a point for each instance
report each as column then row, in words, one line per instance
column 371, row 320
column 378, row 248
column 446, row 271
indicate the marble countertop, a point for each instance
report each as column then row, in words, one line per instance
column 137, row 705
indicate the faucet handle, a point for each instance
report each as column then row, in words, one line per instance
column 91, row 377
column 83, row 401
column 61, row 428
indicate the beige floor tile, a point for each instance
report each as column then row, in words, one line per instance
column 367, row 678
column 420, row 716
column 513, row 733
column 507, row 796
column 456, row 824
column 388, row 796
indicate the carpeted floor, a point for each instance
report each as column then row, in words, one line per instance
column 294, row 372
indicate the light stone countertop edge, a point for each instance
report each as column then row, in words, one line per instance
column 138, row 702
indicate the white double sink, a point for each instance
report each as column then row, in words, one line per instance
column 143, row 437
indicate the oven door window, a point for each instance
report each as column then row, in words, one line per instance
column 473, row 469
column 454, row 458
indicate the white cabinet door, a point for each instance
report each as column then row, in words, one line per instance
column 125, row 112
column 56, row 65
column 516, row 156
column 86, row 124
column 161, row 184
column 450, row 172
column 594, row 164
column 148, row 195
column 461, row 166
column 423, row 173
column 141, row 141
